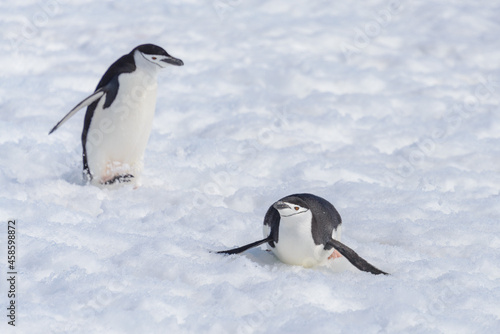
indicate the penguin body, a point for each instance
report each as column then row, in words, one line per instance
column 304, row 229
column 119, row 116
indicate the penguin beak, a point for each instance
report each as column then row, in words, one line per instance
column 279, row 205
column 173, row 61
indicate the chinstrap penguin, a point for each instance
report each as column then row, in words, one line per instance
column 304, row 229
column 120, row 115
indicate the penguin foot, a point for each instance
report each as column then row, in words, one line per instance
column 119, row 179
column 334, row 255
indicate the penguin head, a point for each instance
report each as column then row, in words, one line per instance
column 156, row 56
column 290, row 207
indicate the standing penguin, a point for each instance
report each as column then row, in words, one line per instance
column 303, row 229
column 120, row 116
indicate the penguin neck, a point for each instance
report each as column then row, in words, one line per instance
column 298, row 226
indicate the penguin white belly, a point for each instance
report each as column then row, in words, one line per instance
column 118, row 135
column 295, row 242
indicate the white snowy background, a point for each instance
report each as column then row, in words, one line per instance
column 387, row 108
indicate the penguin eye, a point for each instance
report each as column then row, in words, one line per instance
column 296, row 208
column 154, row 58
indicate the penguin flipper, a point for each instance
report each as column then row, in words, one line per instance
column 88, row 101
column 244, row 248
column 353, row 257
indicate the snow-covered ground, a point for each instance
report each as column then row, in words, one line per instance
column 387, row 108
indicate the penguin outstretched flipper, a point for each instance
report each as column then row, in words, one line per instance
column 353, row 257
column 86, row 102
column 347, row 252
column 244, row 248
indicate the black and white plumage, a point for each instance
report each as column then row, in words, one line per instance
column 120, row 115
column 304, row 229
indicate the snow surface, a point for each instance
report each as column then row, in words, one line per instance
column 387, row 108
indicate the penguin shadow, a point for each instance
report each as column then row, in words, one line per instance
column 75, row 177
column 261, row 256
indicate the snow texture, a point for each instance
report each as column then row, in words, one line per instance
column 387, row 108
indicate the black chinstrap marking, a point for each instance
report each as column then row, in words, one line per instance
column 353, row 257
column 120, row 179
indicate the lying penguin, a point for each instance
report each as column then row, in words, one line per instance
column 303, row 229
column 120, row 115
